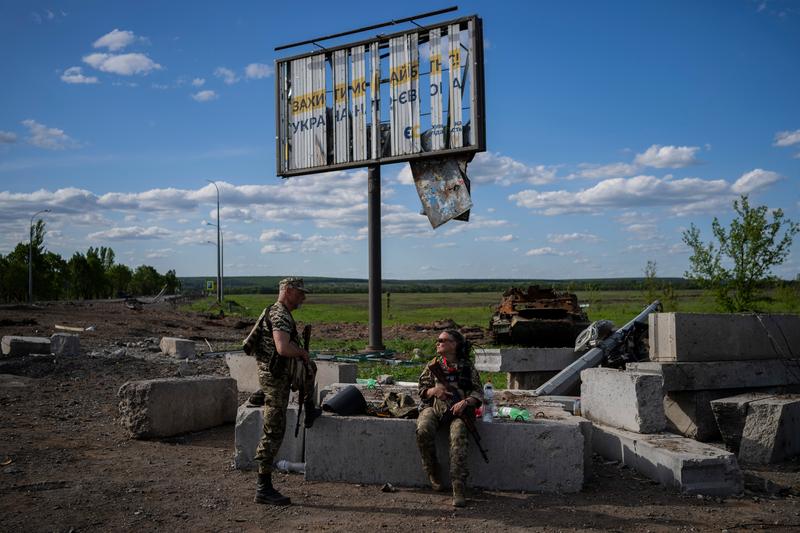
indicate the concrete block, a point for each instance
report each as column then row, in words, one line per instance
column 375, row 395
column 524, row 359
column 65, row 344
column 177, row 348
column 723, row 374
column 730, row 413
column 250, row 426
column 689, row 413
column 329, row 372
column 541, row 456
column 697, row 337
column 170, row 406
column 244, row 369
column 13, row 345
column 626, row 400
column 772, row 430
column 685, row 464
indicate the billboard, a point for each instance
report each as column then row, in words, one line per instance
column 410, row 95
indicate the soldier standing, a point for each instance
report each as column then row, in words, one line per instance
column 441, row 406
column 276, row 343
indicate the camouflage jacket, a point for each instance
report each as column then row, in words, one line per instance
column 276, row 316
column 473, row 389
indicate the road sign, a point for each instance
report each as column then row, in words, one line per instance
column 410, row 95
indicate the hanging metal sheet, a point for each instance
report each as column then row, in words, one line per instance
column 341, row 116
column 443, row 188
column 437, row 126
column 358, row 102
column 456, row 83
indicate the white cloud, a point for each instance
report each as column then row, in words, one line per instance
column 204, row 96
column 546, row 250
column 683, row 195
column 226, row 75
column 7, row 137
column 75, row 75
column 613, row 170
column 122, row 64
column 489, row 167
column 130, row 233
column 256, row 71
column 198, row 82
column 755, row 180
column 277, row 235
column 115, row 40
column 787, row 138
column 558, row 238
column 160, row 253
column 276, row 249
column 643, row 231
column 496, row 238
column 668, row 156
column 48, row 138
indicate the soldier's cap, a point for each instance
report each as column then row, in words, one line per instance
column 293, row 283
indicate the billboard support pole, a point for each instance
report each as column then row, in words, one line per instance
column 374, row 230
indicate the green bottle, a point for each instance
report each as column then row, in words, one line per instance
column 514, row 413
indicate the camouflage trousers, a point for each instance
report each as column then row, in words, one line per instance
column 428, row 424
column 276, row 401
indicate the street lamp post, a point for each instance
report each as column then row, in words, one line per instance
column 219, row 249
column 30, row 256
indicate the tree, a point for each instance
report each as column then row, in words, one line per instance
column 119, row 278
column 743, row 256
column 146, row 281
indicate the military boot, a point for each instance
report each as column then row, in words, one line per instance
column 266, row 493
column 312, row 413
column 458, row 494
column 431, row 468
column 257, row 398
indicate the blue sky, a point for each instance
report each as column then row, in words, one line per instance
column 611, row 126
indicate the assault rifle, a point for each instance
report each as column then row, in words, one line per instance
column 301, row 391
column 469, row 421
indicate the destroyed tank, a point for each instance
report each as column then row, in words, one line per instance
column 538, row 317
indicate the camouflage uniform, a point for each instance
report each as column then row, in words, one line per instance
column 276, row 386
column 430, row 418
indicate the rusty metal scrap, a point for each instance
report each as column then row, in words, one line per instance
column 538, row 317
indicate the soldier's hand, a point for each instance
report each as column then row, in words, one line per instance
column 460, row 407
column 440, row 391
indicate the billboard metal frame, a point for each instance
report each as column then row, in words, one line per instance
column 381, row 44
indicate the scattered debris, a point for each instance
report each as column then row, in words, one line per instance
column 388, row 487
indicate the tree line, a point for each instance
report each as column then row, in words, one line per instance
column 89, row 275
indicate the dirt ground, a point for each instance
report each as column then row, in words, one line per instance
column 66, row 465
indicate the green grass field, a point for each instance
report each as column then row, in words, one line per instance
column 466, row 309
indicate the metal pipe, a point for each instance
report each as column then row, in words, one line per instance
column 570, row 376
column 219, row 250
column 368, row 28
column 374, row 231
column 30, row 256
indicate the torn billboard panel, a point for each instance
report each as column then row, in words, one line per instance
column 443, row 189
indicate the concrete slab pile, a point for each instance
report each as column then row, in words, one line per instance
column 14, row 345
column 626, row 400
column 762, row 428
column 685, row 464
column 527, row 368
column 703, row 357
column 699, row 337
column 249, row 427
column 67, row 344
column 177, row 347
column 541, row 456
column 170, row 406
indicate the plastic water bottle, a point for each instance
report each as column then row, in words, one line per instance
column 287, row 466
column 488, row 401
column 514, row 413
